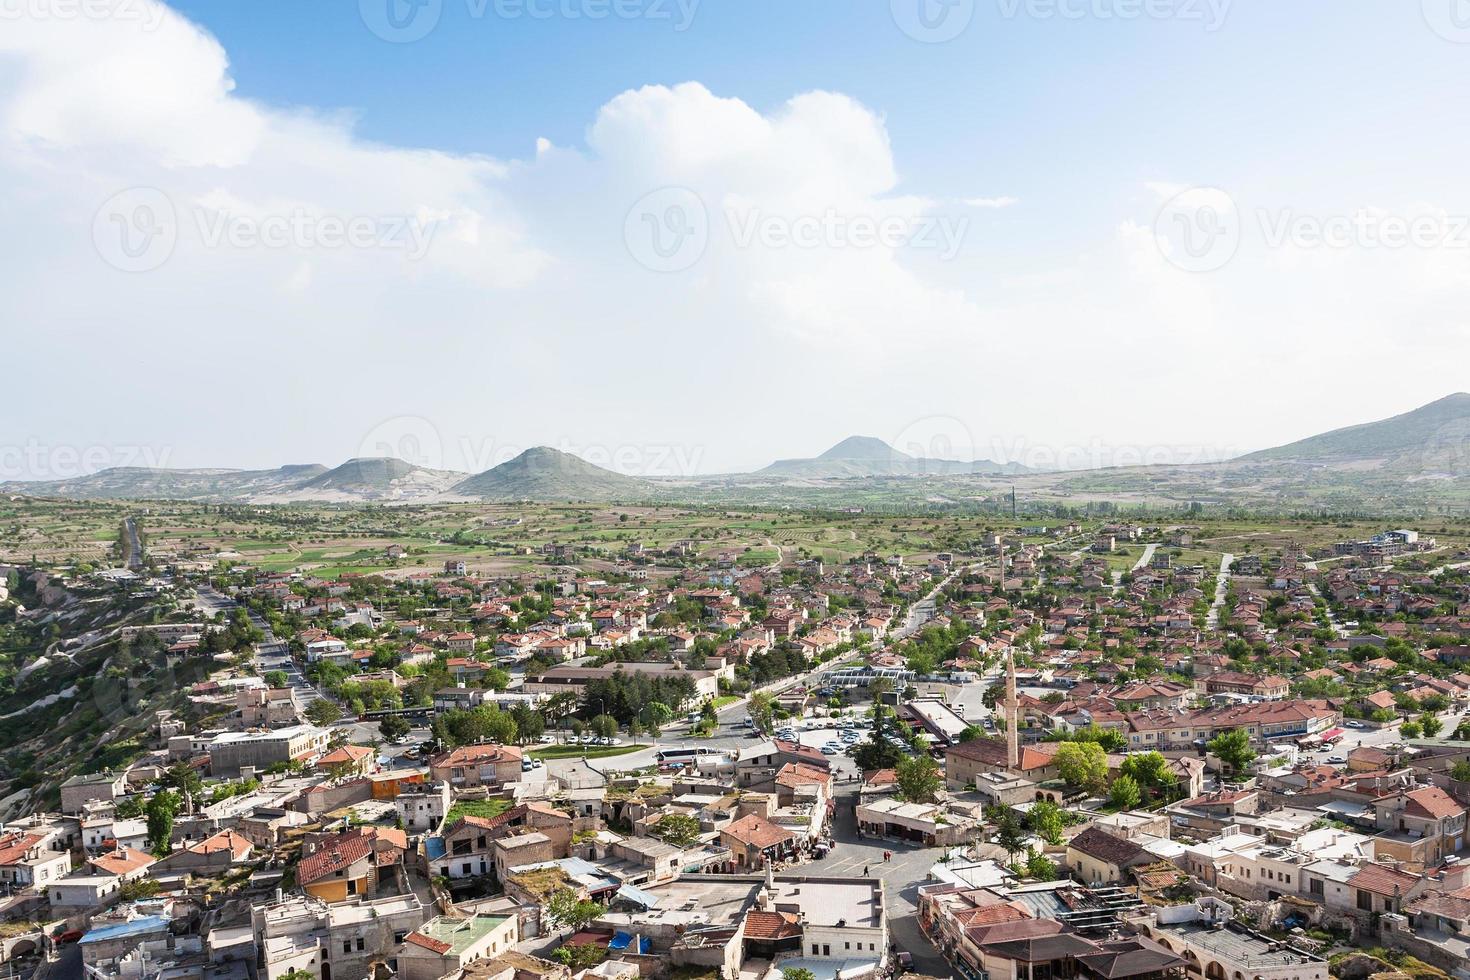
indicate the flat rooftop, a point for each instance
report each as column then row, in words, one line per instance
column 827, row 901
column 1237, row 944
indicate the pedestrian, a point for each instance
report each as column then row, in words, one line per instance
column 865, row 870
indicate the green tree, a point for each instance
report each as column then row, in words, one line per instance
column 919, row 780
column 1431, row 724
column 186, row 779
column 568, row 911
column 678, row 829
column 582, row 956
column 1150, row 770
column 797, row 973
column 1234, row 749
column 1084, row 765
column 1460, row 771
column 762, row 707
column 1046, row 821
column 394, row 727
column 276, row 678
column 1038, row 866
column 1010, row 834
column 1125, row 794
column 656, row 715
column 529, row 723
column 605, row 726
column 160, row 816
column 1409, row 729
column 323, row 711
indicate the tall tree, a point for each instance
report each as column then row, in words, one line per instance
column 1234, row 749
column 1084, row 765
column 918, row 779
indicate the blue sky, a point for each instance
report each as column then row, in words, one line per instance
column 1060, row 146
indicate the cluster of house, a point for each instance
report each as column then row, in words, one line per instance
column 348, row 864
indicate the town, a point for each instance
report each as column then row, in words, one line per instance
column 1050, row 751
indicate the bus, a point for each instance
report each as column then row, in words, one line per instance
column 683, row 755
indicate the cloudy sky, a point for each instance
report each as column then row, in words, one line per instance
column 699, row 235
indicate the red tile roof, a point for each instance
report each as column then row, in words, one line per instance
column 755, row 830
column 1432, row 802
column 337, row 855
column 771, row 925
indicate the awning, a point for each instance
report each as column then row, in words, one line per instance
column 637, row 896
column 1332, row 733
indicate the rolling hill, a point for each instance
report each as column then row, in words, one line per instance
column 549, row 474
column 860, row 457
column 138, row 483
column 375, row 479
column 1431, row 440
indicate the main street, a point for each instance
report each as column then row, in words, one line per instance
column 902, row 874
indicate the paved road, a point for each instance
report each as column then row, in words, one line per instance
column 902, row 876
column 1222, row 585
column 135, row 545
column 1146, row 557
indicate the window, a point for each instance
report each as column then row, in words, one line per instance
column 360, row 944
column 346, row 945
column 815, row 950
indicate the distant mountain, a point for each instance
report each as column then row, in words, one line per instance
column 549, row 474
column 865, row 447
column 860, row 457
column 373, row 479
column 1432, row 440
column 135, row 482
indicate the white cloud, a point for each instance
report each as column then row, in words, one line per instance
column 529, row 316
column 991, row 203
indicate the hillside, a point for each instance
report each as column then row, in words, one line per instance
column 1434, row 439
column 863, row 457
column 138, row 483
column 375, row 479
column 548, row 474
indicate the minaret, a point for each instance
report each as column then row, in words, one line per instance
column 1013, row 716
